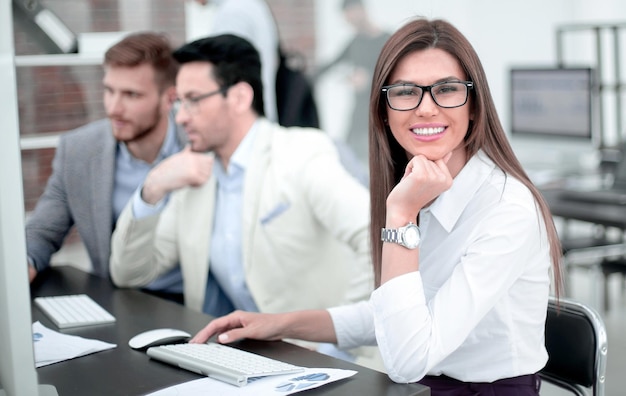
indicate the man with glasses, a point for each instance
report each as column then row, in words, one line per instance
column 97, row 167
column 259, row 217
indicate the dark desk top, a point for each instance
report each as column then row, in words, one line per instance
column 124, row 371
column 598, row 213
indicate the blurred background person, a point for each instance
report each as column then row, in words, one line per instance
column 360, row 56
column 98, row 166
column 252, row 20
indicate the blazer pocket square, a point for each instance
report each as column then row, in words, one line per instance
column 275, row 212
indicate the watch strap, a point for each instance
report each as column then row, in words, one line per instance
column 389, row 235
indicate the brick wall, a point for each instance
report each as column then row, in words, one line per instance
column 59, row 98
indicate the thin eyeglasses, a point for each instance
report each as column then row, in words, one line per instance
column 446, row 94
column 191, row 104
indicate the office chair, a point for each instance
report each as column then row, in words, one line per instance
column 576, row 341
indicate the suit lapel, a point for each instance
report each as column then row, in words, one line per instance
column 254, row 179
column 195, row 228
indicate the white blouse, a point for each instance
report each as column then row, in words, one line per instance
column 476, row 309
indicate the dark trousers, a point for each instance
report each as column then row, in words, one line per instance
column 525, row 385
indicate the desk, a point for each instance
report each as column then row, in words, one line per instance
column 598, row 213
column 607, row 215
column 124, row 371
column 589, row 251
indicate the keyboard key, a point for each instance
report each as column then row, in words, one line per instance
column 73, row 311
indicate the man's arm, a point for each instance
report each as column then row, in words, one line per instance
column 51, row 220
column 135, row 260
column 144, row 243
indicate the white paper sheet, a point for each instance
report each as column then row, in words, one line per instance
column 279, row 385
column 52, row 347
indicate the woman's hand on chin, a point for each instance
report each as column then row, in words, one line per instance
column 423, row 181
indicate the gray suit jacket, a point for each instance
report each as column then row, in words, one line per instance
column 79, row 192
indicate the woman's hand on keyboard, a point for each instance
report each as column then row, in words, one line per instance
column 312, row 325
column 240, row 324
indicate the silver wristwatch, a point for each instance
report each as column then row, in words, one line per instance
column 408, row 236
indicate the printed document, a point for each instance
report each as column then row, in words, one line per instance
column 272, row 385
column 52, row 347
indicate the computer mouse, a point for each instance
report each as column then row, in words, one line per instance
column 158, row 337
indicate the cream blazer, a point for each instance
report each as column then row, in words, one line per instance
column 305, row 232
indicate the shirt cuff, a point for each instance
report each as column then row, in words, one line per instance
column 354, row 325
column 143, row 209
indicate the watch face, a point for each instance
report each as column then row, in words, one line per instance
column 411, row 237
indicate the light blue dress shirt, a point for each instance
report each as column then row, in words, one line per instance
column 226, row 284
column 226, row 261
column 130, row 172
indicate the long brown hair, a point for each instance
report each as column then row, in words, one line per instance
column 387, row 159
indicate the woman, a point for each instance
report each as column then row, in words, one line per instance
column 461, row 302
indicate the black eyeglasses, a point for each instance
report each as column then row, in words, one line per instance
column 191, row 104
column 446, row 94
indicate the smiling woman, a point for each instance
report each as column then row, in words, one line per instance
column 462, row 243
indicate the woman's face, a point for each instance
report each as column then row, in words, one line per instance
column 429, row 129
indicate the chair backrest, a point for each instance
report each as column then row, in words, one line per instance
column 576, row 341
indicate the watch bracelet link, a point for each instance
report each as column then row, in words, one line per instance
column 389, row 235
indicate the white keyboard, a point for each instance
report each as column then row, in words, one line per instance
column 73, row 311
column 221, row 362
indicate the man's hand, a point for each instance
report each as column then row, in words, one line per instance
column 183, row 169
column 32, row 273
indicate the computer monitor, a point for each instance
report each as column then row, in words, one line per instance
column 554, row 102
column 18, row 375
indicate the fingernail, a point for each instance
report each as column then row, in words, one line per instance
column 223, row 337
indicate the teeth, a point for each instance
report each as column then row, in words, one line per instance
column 427, row 131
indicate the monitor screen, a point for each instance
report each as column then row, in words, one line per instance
column 552, row 102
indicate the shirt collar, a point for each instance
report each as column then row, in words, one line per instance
column 448, row 207
column 243, row 153
column 170, row 145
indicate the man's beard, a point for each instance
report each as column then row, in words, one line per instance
column 142, row 131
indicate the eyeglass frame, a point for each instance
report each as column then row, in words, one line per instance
column 427, row 88
column 192, row 102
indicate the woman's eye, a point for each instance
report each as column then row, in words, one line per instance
column 406, row 92
column 447, row 88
